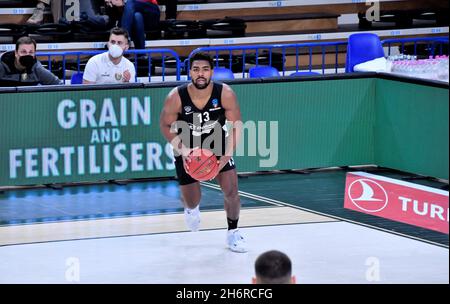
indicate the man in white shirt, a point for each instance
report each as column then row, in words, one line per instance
column 111, row 66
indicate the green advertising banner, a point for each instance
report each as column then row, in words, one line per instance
column 82, row 136
column 93, row 135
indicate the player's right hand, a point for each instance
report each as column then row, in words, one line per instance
column 186, row 154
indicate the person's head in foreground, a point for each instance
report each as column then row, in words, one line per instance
column 273, row 267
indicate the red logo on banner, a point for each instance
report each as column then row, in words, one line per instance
column 398, row 200
column 367, row 195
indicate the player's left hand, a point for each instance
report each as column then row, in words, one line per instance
column 126, row 76
column 223, row 161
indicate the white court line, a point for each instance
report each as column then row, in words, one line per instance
column 401, row 183
column 280, row 203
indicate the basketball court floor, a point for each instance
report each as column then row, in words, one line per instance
column 135, row 233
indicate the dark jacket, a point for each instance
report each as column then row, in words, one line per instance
column 36, row 75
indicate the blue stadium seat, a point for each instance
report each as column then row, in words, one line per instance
column 222, row 74
column 263, row 71
column 362, row 47
column 77, row 78
column 309, row 73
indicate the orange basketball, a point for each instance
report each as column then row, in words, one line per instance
column 203, row 165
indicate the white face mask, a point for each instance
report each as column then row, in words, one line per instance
column 115, row 51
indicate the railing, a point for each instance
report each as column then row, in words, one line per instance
column 222, row 52
column 431, row 44
column 165, row 53
column 227, row 54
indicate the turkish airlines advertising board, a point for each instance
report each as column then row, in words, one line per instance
column 397, row 200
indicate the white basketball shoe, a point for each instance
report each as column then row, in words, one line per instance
column 192, row 218
column 235, row 241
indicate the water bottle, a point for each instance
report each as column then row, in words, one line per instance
column 389, row 64
column 442, row 69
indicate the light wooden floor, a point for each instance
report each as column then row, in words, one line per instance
column 139, row 225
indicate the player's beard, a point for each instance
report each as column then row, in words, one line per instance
column 201, row 86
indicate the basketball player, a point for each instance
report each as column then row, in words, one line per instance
column 203, row 107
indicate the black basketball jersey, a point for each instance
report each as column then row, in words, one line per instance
column 205, row 127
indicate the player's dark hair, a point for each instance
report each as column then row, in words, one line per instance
column 201, row 56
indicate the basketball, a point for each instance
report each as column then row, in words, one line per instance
column 203, row 165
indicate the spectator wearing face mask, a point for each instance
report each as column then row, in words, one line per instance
column 111, row 66
column 21, row 68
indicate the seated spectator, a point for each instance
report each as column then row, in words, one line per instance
column 138, row 16
column 38, row 13
column 273, row 267
column 111, row 66
column 20, row 67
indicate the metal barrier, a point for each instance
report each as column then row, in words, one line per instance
column 431, row 44
column 250, row 51
column 221, row 52
column 165, row 53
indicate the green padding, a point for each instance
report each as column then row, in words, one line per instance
column 320, row 124
column 411, row 128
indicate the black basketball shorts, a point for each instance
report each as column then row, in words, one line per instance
column 186, row 179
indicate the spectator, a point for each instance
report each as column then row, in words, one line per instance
column 38, row 13
column 273, row 267
column 111, row 66
column 85, row 11
column 20, row 67
column 138, row 17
